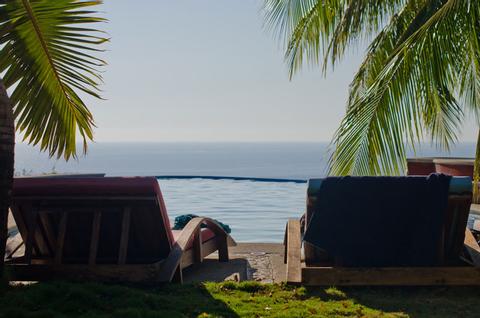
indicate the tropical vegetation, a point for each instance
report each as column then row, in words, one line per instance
column 47, row 58
column 419, row 79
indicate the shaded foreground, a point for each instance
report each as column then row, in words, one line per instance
column 229, row 299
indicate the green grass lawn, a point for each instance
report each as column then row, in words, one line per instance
column 248, row 299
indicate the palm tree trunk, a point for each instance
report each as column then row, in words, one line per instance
column 7, row 145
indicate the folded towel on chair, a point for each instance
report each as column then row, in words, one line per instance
column 182, row 220
column 380, row 221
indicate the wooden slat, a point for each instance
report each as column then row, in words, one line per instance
column 187, row 259
column 197, row 246
column 391, row 276
column 99, row 272
column 83, row 198
column 50, row 236
column 40, row 242
column 13, row 246
column 472, row 247
column 178, row 276
column 81, row 260
column 62, row 230
column 97, row 217
column 208, row 248
column 122, row 254
column 31, row 215
column 294, row 262
column 20, row 221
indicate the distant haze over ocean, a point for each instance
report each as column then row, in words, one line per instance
column 298, row 160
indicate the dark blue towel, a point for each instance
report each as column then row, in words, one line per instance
column 380, row 221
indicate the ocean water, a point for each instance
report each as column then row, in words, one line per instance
column 256, row 211
column 275, row 160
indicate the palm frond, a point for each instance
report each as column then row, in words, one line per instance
column 47, row 58
column 415, row 85
column 380, row 49
column 283, row 16
column 469, row 76
column 359, row 20
column 320, row 30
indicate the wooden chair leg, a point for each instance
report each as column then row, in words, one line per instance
column 197, row 247
column 223, row 249
column 169, row 267
column 294, row 262
column 472, row 247
column 178, row 276
column 285, row 245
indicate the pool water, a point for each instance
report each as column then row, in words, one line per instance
column 255, row 211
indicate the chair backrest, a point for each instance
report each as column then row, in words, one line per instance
column 456, row 217
column 109, row 220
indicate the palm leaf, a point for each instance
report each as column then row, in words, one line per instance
column 319, row 30
column 47, row 58
column 416, row 85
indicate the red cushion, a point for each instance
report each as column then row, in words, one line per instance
column 144, row 186
column 206, row 234
column 108, row 186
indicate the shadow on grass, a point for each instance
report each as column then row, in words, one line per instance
column 61, row 299
column 410, row 301
column 230, row 299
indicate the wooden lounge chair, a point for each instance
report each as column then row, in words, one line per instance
column 105, row 229
column 460, row 251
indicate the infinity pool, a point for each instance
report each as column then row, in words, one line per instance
column 255, row 211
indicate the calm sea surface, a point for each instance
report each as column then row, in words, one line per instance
column 256, row 211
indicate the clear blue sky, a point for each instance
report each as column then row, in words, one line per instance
column 207, row 70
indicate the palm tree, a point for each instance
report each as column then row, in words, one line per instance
column 419, row 77
column 45, row 59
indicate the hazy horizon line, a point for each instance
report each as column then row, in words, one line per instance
column 227, row 141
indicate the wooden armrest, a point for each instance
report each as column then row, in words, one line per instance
column 218, row 230
column 472, row 247
column 293, row 252
column 193, row 228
